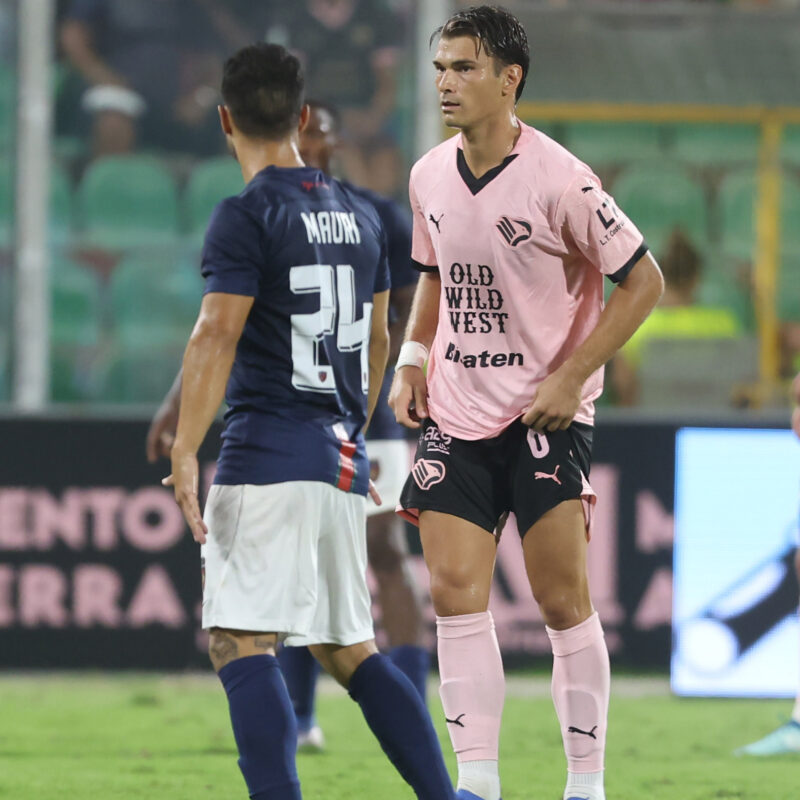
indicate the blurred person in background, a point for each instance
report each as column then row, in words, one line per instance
column 678, row 315
column 387, row 548
column 351, row 50
column 786, row 738
column 150, row 72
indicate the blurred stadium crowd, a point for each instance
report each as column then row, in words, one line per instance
column 139, row 163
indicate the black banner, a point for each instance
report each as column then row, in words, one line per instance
column 97, row 568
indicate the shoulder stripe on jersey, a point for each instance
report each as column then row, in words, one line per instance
column 424, row 267
column 624, row 270
column 476, row 184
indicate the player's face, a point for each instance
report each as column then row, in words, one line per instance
column 318, row 140
column 470, row 88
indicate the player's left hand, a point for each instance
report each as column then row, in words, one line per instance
column 185, row 480
column 373, row 493
column 555, row 403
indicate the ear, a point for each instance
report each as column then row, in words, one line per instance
column 225, row 120
column 512, row 79
column 305, row 115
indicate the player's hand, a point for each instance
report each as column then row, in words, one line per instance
column 161, row 435
column 408, row 397
column 555, row 403
column 185, row 479
column 374, row 494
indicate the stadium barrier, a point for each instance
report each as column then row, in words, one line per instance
column 97, row 569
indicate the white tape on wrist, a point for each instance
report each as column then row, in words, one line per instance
column 412, row 354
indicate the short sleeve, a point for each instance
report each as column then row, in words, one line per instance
column 602, row 232
column 232, row 259
column 397, row 222
column 422, row 253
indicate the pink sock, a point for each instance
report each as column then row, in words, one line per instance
column 581, row 686
column 473, row 685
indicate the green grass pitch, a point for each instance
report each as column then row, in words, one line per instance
column 168, row 738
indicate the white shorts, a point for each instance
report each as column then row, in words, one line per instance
column 393, row 458
column 287, row 558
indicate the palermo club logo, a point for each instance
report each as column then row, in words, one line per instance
column 427, row 472
column 514, row 231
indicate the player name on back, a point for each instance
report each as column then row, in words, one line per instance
column 331, row 227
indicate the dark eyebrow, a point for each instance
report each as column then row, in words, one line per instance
column 463, row 62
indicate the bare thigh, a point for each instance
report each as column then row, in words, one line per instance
column 225, row 645
column 555, row 560
column 460, row 557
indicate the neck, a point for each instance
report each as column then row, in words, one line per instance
column 255, row 155
column 487, row 143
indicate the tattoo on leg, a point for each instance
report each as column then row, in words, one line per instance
column 263, row 642
column 223, row 649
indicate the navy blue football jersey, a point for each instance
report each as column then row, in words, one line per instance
column 397, row 226
column 312, row 253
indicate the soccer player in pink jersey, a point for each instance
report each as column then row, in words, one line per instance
column 513, row 236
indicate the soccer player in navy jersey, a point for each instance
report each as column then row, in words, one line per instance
column 387, row 549
column 293, row 333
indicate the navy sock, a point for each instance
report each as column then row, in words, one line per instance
column 414, row 662
column 398, row 718
column 300, row 670
column 263, row 726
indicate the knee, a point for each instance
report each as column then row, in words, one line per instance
column 386, row 547
column 222, row 648
column 564, row 604
column 455, row 589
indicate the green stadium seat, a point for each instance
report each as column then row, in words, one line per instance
column 715, row 145
column 154, row 300
column 128, row 202
column 662, row 197
column 736, row 213
column 75, row 334
column 790, row 146
column 603, row 143
column 210, row 182
column 60, row 204
column 789, row 287
column 8, row 107
column 134, row 375
column 76, row 304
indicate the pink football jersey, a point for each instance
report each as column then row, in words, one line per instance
column 521, row 253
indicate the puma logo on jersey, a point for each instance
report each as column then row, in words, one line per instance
column 331, row 227
column 514, row 231
column 427, row 473
column 436, row 221
column 537, row 476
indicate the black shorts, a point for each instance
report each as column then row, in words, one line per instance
column 520, row 470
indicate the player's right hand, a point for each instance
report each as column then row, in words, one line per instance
column 185, row 479
column 161, row 435
column 408, row 397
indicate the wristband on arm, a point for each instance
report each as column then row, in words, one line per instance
column 412, row 354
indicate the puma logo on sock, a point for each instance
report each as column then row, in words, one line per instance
column 573, row 729
column 456, row 721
